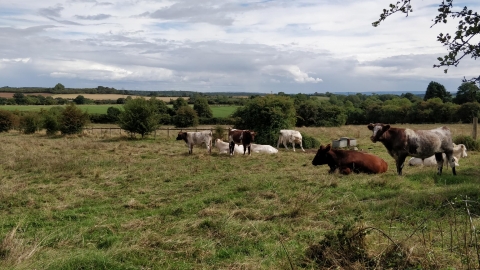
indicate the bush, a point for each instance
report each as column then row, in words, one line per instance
column 468, row 141
column 219, row 133
column 139, row 116
column 309, row 142
column 186, row 117
column 30, row 123
column 72, row 120
column 8, row 120
column 51, row 120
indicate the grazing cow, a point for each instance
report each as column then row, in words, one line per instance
column 403, row 142
column 262, row 148
column 290, row 136
column 348, row 161
column 459, row 151
column 196, row 138
column 224, row 147
column 241, row 137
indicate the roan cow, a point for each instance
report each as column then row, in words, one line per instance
column 196, row 138
column 459, row 151
column 348, row 161
column 224, row 147
column 241, row 137
column 290, row 136
column 403, row 142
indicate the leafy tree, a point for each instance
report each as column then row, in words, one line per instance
column 138, row 116
column 467, row 92
column 59, row 87
column 113, row 113
column 459, row 45
column 179, row 102
column 185, row 116
column 434, row 90
column 79, row 100
column 266, row 115
column 72, row 120
column 202, row 108
column 20, row 98
column 468, row 110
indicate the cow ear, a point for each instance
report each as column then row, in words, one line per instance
column 370, row 126
column 328, row 147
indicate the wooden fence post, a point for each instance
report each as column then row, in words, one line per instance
column 155, row 134
column 474, row 131
column 168, row 132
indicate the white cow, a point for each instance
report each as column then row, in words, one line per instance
column 196, row 138
column 459, row 151
column 261, row 148
column 224, row 148
column 290, row 136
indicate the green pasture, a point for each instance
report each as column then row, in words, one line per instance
column 218, row 111
column 103, row 201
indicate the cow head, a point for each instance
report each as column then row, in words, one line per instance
column 322, row 156
column 253, row 135
column 182, row 136
column 378, row 130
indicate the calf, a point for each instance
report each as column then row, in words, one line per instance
column 290, row 136
column 224, row 147
column 403, row 142
column 459, row 151
column 262, row 148
column 348, row 161
column 241, row 137
column 196, row 138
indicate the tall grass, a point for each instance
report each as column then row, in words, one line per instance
column 96, row 201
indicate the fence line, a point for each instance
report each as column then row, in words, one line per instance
column 110, row 129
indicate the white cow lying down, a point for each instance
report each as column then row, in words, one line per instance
column 223, row 147
column 261, row 148
column 459, row 151
column 290, row 136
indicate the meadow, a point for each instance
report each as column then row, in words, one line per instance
column 218, row 111
column 96, row 201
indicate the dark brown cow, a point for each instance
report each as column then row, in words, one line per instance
column 243, row 137
column 403, row 142
column 348, row 161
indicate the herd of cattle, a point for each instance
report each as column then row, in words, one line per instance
column 426, row 147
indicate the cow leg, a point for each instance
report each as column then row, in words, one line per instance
column 451, row 161
column 231, row 148
column 279, row 140
column 400, row 160
column 345, row 170
column 301, row 146
column 293, row 146
column 439, row 159
column 190, row 149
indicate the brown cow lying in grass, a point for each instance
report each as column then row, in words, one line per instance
column 348, row 161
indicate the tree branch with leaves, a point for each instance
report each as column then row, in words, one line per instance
column 460, row 44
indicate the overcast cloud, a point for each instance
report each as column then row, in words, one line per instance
column 302, row 46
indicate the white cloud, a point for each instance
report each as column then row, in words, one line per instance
column 224, row 45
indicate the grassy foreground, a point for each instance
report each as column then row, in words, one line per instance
column 100, row 202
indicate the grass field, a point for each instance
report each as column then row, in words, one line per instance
column 218, row 111
column 105, row 202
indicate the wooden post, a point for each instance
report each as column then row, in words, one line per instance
column 110, row 132
column 474, row 131
column 168, row 132
column 155, row 134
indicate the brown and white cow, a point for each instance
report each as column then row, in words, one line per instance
column 403, row 142
column 290, row 136
column 241, row 137
column 196, row 138
column 348, row 161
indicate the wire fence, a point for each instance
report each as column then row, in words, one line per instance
column 160, row 132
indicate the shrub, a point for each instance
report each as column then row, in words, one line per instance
column 219, row 133
column 309, row 142
column 51, row 120
column 469, row 142
column 30, row 123
column 8, row 120
column 72, row 120
column 186, row 117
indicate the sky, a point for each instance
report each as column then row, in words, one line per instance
column 261, row 46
